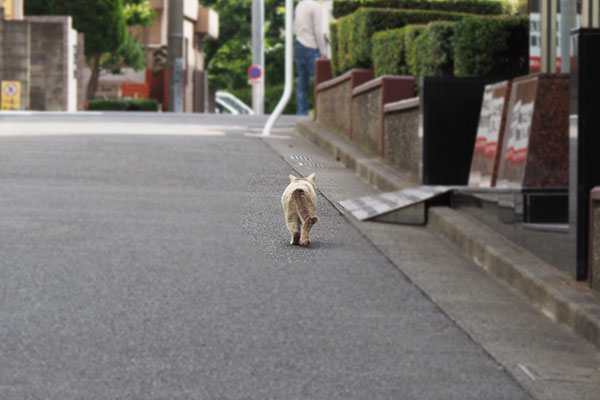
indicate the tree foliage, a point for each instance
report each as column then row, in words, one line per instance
column 131, row 51
column 102, row 21
column 139, row 12
column 229, row 57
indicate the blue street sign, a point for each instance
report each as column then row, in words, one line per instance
column 255, row 72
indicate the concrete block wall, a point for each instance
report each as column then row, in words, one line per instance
column 15, row 56
column 53, row 79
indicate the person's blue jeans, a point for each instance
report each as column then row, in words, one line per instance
column 305, row 65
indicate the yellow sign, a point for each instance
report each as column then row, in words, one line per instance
column 8, row 9
column 11, row 95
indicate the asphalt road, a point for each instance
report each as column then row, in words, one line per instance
column 146, row 257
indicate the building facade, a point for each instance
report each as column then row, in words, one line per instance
column 198, row 23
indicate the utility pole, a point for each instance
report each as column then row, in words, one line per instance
column 258, row 55
column 18, row 9
column 175, row 55
column 590, row 14
column 289, row 67
column 568, row 13
column 548, row 25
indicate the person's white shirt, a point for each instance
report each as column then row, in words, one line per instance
column 308, row 27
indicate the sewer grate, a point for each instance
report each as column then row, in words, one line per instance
column 301, row 158
column 310, row 165
column 308, row 162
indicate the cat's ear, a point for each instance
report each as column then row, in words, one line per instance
column 292, row 178
column 312, row 177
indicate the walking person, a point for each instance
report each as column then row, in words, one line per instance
column 310, row 45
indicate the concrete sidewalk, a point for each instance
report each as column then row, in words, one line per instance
column 506, row 299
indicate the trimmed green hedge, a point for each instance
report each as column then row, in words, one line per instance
column 333, row 41
column 345, row 57
column 410, row 47
column 474, row 46
column 342, row 8
column 122, row 105
column 355, row 31
column 491, row 46
column 388, row 52
column 433, row 50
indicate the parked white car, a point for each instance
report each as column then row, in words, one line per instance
column 226, row 103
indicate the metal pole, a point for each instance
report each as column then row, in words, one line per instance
column 568, row 9
column 548, row 19
column 175, row 55
column 18, row 9
column 289, row 67
column 258, row 54
column 590, row 14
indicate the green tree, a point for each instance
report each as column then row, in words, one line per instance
column 104, row 24
column 131, row 51
column 229, row 57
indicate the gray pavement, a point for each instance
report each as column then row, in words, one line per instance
column 145, row 257
column 528, row 316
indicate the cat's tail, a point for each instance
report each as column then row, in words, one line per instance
column 299, row 197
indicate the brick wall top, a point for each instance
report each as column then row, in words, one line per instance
column 378, row 82
column 349, row 75
column 401, row 105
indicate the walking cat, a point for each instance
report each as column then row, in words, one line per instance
column 299, row 201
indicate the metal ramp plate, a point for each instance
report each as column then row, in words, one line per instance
column 406, row 206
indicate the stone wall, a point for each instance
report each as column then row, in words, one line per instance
column 333, row 103
column 402, row 146
column 366, row 118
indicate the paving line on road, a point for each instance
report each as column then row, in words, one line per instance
column 110, row 128
column 260, row 135
column 527, row 372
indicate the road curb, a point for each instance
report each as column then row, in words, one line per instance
column 549, row 290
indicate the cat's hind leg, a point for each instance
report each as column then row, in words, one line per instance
column 306, row 226
column 293, row 225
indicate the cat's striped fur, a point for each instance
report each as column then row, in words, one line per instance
column 299, row 202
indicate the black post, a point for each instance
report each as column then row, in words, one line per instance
column 585, row 137
column 175, row 55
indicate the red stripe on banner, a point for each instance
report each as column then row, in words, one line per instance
column 519, row 155
column 490, row 149
column 509, row 154
column 515, row 156
column 480, row 145
column 535, row 63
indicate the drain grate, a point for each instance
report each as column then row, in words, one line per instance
column 308, row 162
column 301, row 158
column 310, row 165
